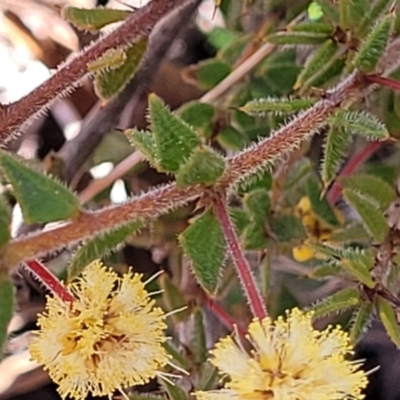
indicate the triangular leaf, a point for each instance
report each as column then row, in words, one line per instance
column 175, row 140
column 143, row 141
column 204, row 243
column 93, row 19
column 100, row 246
column 336, row 145
column 388, row 317
column 370, row 186
column 42, row 199
column 6, row 309
column 338, row 302
column 369, row 212
column 111, row 81
column 203, row 166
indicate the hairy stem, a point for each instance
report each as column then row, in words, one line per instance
column 16, row 115
column 50, row 281
column 253, row 295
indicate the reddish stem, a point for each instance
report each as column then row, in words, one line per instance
column 380, row 80
column 356, row 160
column 49, row 280
column 223, row 316
column 243, row 268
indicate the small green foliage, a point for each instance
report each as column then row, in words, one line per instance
column 338, row 302
column 111, row 59
column 93, row 19
column 389, row 320
column 378, row 8
column 7, row 307
column 175, row 140
column 369, row 211
column 145, row 142
column 207, row 73
column 360, row 122
column 204, row 243
column 329, row 10
column 204, row 166
column 257, row 204
column 5, row 221
column 198, row 344
column 254, row 237
column 260, row 107
column 174, row 391
column 373, row 46
column 370, row 186
column 198, row 115
column 111, row 81
column 325, row 270
column 360, row 320
column 42, row 199
column 316, row 62
column 297, row 37
column 336, row 145
column 100, row 246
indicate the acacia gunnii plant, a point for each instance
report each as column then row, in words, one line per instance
column 266, row 201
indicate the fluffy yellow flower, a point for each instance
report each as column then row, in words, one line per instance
column 289, row 361
column 110, row 337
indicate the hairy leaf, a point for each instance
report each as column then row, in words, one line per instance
column 111, row 59
column 369, row 212
column 260, row 107
column 338, row 302
column 198, row 115
column 298, row 37
column 42, row 199
column 254, row 237
column 388, row 317
column 336, row 145
column 93, row 19
column 360, row 321
column 175, row 140
column 325, row 270
column 257, row 204
column 360, row 122
column 370, row 186
column 330, row 10
column 110, row 82
column 378, row 8
column 145, row 142
column 100, row 246
column 204, row 243
column 374, row 45
column 203, row 166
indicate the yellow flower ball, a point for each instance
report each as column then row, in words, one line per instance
column 109, row 338
column 289, row 360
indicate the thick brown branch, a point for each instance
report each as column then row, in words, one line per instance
column 140, row 23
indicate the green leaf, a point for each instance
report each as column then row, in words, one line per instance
column 208, row 378
column 389, row 320
column 108, row 83
column 325, row 270
column 360, row 321
column 111, row 59
column 336, row 145
column 254, row 237
column 331, row 70
column 360, row 122
column 260, row 107
column 338, row 302
column 300, row 37
column 357, row 11
column 287, row 228
column 198, row 115
column 5, row 221
column 42, row 199
column 100, row 246
column 371, row 16
column 257, row 203
column 204, row 243
column 374, row 45
column 330, row 10
column 370, row 186
column 312, row 27
column 369, row 212
column 7, row 307
column 175, row 140
column 240, row 219
column 320, row 206
column 198, row 345
column 204, row 166
column 230, row 138
column 207, row 73
column 145, row 142
column 174, row 391
column 323, row 57
column 93, row 19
